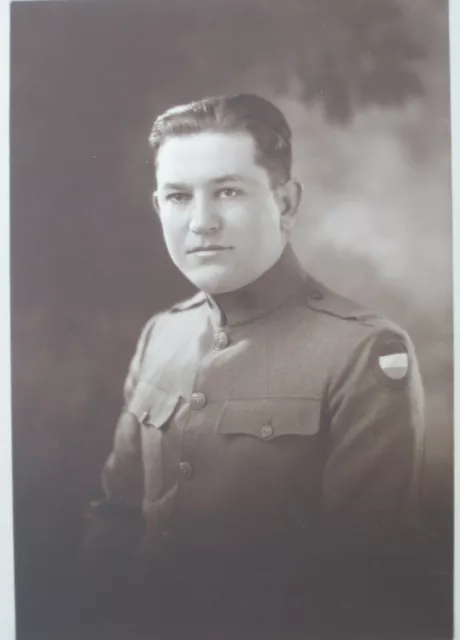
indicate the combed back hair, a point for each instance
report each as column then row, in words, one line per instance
column 229, row 114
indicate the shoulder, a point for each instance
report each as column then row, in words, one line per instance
column 198, row 300
column 164, row 317
column 160, row 327
column 195, row 301
column 360, row 337
column 346, row 315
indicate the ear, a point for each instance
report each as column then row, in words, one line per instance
column 288, row 197
column 155, row 202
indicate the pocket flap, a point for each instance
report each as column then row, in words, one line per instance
column 153, row 407
column 267, row 418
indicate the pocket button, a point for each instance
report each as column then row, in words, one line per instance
column 144, row 419
column 266, row 431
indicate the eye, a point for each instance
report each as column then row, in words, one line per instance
column 229, row 192
column 178, row 197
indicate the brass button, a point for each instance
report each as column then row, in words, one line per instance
column 316, row 295
column 221, row 340
column 266, row 431
column 186, row 470
column 198, row 400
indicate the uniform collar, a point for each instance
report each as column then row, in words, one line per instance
column 263, row 295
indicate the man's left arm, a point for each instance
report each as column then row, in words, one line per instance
column 375, row 444
column 377, row 561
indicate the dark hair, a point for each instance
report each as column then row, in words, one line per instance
column 236, row 113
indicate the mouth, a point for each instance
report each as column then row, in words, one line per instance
column 206, row 249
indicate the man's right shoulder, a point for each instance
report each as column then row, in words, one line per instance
column 188, row 304
column 160, row 324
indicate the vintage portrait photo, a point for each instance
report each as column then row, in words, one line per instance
column 231, row 319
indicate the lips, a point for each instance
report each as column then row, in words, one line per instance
column 210, row 247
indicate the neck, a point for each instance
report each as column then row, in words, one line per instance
column 263, row 295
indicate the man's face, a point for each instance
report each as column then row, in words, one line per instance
column 221, row 219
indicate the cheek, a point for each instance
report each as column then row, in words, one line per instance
column 241, row 215
column 263, row 221
column 173, row 223
column 174, row 232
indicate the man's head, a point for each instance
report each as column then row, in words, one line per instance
column 223, row 178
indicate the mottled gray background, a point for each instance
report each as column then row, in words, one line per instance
column 365, row 84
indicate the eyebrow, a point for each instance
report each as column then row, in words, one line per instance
column 219, row 180
column 228, row 178
column 175, row 185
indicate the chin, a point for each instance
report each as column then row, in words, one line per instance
column 212, row 283
column 211, row 286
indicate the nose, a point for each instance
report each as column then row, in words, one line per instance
column 204, row 219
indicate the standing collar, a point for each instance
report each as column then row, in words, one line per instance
column 263, row 295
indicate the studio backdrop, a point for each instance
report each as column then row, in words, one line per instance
column 365, row 86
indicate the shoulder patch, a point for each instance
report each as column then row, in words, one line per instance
column 390, row 359
column 324, row 300
column 196, row 301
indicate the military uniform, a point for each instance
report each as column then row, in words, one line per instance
column 263, row 419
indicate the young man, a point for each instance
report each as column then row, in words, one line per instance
column 272, row 429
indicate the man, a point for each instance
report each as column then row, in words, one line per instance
column 272, row 429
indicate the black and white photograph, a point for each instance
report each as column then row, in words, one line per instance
column 231, row 319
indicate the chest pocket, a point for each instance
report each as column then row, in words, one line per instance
column 151, row 406
column 270, row 418
column 133, row 468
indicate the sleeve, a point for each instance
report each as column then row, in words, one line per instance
column 377, row 563
column 371, row 481
column 115, row 523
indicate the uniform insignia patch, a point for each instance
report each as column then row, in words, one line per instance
column 395, row 365
column 391, row 361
